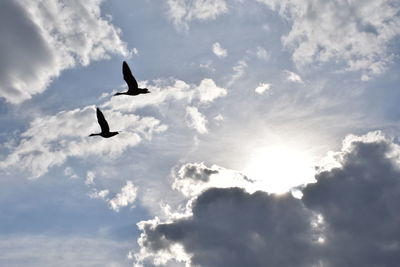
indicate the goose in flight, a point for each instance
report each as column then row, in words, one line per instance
column 133, row 88
column 105, row 129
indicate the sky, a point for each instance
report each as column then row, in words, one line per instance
column 270, row 136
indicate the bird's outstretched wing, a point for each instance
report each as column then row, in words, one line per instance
column 102, row 121
column 128, row 77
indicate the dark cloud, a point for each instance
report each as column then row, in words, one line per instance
column 359, row 203
column 24, row 53
column 196, row 171
column 348, row 218
column 230, row 227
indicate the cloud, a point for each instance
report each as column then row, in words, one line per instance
column 164, row 91
column 126, row 197
column 219, row 117
column 219, row 51
column 238, row 71
column 349, row 217
column 99, row 194
column 356, row 33
column 262, row 88
column 230, row 227
column 193, row 178
column 90, row 175
column 68, row 171
column 48, row 37
column 208, row 91
column 358, row 203
column 196, row 120
column 50, row 140
column 181, row 12
column 66, row 133
column 293, row 77
column 262, row 53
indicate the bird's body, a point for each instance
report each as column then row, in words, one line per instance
column 105, row 129
column 133, row 88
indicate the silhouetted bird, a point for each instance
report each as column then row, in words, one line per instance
column 133, row 88
column 105, row 129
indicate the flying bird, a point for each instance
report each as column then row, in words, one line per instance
column 133, row 88
column 105, row 129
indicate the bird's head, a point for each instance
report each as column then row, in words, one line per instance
column 146, row 91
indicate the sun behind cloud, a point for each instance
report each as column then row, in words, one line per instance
column 278, row 168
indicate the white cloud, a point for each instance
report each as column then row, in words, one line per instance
column 90, row 175
column 262, row 88
column 219, row 51
column 208, row 91
column 135, row 51
column 219, row 117
column 165, row 91
column 68, row 171
column 357, row 33
column 262, row 53
column 48, row 37
column 66, row 133
column 238, row 71
column 181, row 12
column 208, row 65
column 196, row 120
column 293, row 77
column 50, row 140
column 99, row 194
column 126, row 197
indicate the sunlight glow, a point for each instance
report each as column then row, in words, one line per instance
column 278, row 168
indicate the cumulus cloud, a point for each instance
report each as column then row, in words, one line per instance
column 181, row 12
column 358, row 203
column 50, row 140
column 230, row 227
column 262, row 88
column 208, row 91
column 219, row 51
column 193, row 178
column 126, row 197
column 357, row 33
column 66, row 133
column 349, row 217
column 48, row 37
column 196, row 120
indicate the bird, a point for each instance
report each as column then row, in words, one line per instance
column 133, row 88
column 105, row 129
